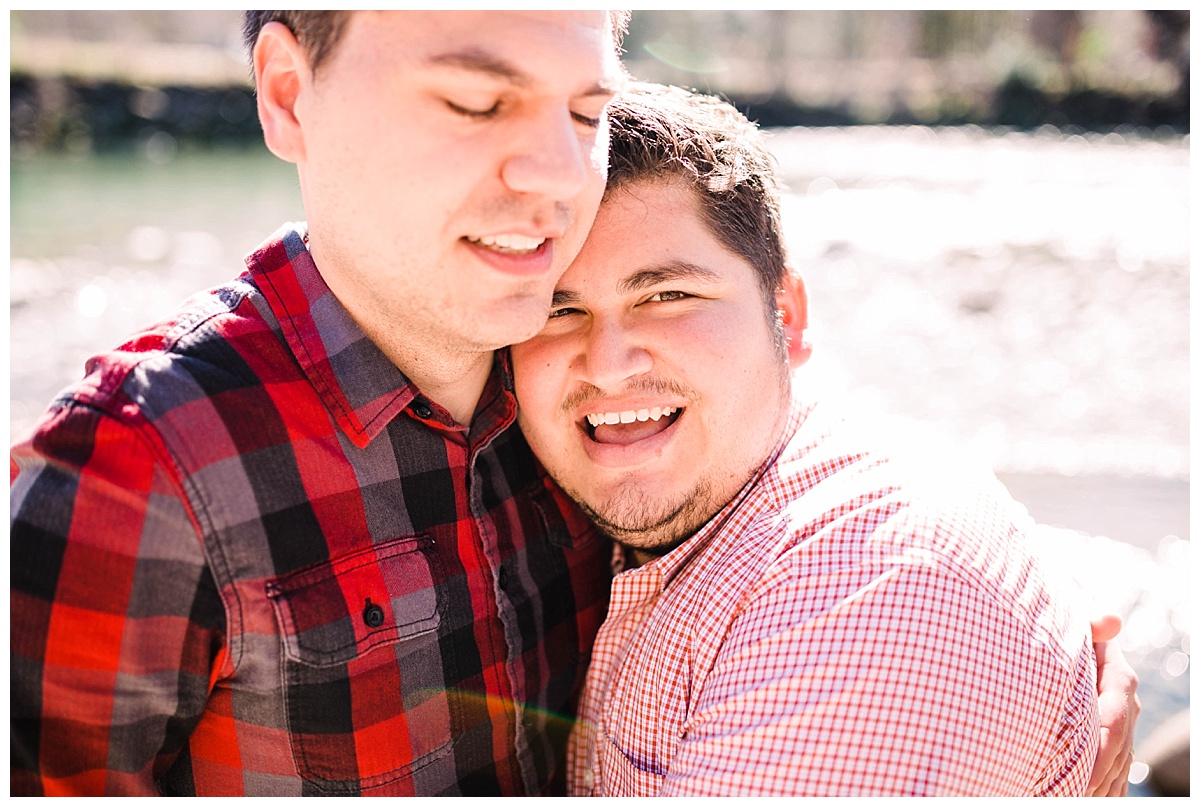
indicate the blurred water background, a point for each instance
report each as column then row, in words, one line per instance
column 1013, row 274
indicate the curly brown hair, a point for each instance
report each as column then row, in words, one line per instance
column 660, row 132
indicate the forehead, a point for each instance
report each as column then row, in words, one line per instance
column 528, row 47
column 645, row 226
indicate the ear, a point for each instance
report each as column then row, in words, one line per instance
column 792, row 302
column 280, row 73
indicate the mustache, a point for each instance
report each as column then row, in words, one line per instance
column 552, row 216
column 635, row 386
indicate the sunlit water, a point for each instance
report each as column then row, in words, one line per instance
column 1027, row 295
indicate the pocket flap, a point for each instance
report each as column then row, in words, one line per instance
column 334, row 611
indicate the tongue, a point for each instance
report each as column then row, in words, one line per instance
column 626, row 433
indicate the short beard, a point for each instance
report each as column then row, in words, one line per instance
column 635, row 520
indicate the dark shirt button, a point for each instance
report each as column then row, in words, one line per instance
column 503, row 578
column 372, row 615
column 421, row 409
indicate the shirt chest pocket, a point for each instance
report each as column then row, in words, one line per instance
column 622, row 774
column 362, row 660
column 331, row 613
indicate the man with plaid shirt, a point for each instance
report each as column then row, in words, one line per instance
column 288, row 541
column 821, row 610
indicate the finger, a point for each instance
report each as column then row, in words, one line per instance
column 1107, row 767
column 1116, row 779
column 1105, row 628
column 1120, row 785
column 1118, row 712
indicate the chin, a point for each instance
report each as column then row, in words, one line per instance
column 505, row 327
column 515, row 320
column 635, row 519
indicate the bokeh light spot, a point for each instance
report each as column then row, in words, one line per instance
column 91, row 301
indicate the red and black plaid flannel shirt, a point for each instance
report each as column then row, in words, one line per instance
column 248, row 558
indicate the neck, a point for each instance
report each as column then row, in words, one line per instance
column 456, row 386
column 639, row 557
column 446, row 370
column 454, row 380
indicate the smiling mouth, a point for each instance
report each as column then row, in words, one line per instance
column 631, row 425
column 507, row 243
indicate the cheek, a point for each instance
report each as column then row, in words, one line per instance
column 726, row 361
column 536, row 381
column 711, row 345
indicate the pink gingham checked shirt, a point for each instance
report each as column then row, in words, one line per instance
column 852, row 624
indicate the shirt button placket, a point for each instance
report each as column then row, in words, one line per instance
column 508, row 617
column 421, row 409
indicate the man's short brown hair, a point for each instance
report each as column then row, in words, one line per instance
column 659, row 132
column 319, row 32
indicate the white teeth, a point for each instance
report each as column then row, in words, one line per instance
column 509, row 241
column 630, row 415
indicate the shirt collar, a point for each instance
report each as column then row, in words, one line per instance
column 671, row 564
column 358, row 384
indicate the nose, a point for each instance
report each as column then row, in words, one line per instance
column 612, row 355
column 554, row 159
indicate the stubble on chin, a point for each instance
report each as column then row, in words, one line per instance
column 655, row 526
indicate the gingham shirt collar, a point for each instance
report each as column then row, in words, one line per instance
column 665, row 569
column 358, row 384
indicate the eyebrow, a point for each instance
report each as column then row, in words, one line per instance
column 667, row 272
column 564, row 297
column 477, row 60
column 664, row 273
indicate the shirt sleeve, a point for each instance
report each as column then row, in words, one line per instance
column 117, row 628
column 900, row 681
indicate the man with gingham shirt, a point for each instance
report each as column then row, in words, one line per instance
column 820, row 610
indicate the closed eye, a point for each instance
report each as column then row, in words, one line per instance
column 562, row 312
column 474, row 113
column 591, row 123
